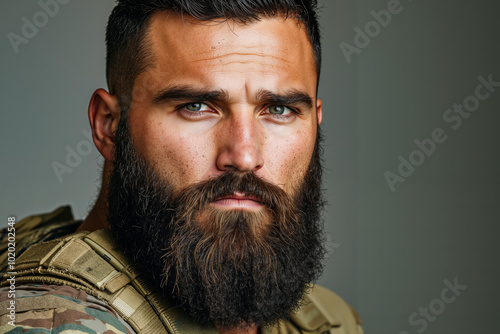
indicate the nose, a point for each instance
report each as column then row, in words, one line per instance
column 240, row 144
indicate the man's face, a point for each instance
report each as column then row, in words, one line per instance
column 215, row 191
column 259, row 109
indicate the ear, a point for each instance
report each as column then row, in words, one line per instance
column 104, row 116
column 319, row 110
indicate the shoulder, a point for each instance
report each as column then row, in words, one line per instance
column 332, row 305
column 52, row 308
column 34, row 229
column 38, row 227
column 323, row 310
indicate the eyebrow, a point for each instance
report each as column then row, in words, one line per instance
column 187, row 93
column 292, row 97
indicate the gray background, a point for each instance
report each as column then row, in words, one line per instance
column 390, row 251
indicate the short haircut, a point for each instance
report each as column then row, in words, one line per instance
column 128, row 51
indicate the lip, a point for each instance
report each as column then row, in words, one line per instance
column 238, row 200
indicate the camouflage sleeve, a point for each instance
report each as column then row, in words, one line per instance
column 57, row 309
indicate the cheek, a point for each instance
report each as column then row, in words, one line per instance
column 289, row 160
column 179, row 157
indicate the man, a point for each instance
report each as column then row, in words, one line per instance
column 211, row 182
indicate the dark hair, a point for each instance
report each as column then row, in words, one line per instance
column 128, row 53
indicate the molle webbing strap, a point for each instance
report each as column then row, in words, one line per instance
column 74, row 259
column 89, row 261
column 173, row 319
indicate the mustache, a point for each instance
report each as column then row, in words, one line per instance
column 203, row 193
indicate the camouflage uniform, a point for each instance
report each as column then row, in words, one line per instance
column 52, row 308
column 59, row 309
column 73, row 308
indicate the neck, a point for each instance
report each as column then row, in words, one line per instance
column 96, row 219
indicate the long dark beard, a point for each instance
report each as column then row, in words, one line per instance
column 230, row 267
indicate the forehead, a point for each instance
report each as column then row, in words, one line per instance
column 273, row 48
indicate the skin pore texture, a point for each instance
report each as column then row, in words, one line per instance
column 217, row 97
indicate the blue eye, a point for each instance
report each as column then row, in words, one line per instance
column 196, row 106
column 279, row 110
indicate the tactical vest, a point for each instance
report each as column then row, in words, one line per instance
column 90, row 261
